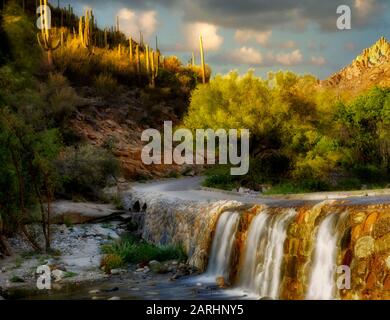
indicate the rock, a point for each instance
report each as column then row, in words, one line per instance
column 58, row 275
column 388, row 262
column 76, row 212
column 381, row 228
column 114, row 298
column 3, row 270
column 364, row 247
column 94, row 292
column 174, row 263
column 104, row 232
column 220, row 281
column 117, row 271
column 382, row 245
column 1, row 298
column 63, row 228
column 244, row 190
column 154, row 263
column 370, row 222
column 146, row 270
column 158, row 267
column 358, row 218
column 140, row 270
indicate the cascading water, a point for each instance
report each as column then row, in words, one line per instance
column 221, row 250
column 261, row 271
column 322, row 280
column 254, row 252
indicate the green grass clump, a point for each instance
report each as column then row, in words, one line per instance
column 132, row 250
column 16, row 279
column 70, row 274
column 111, row 261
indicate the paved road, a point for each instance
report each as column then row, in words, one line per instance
column 190, row 189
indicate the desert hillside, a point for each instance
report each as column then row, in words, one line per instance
column 370, row 68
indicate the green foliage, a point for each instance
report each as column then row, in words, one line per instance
column 106, row 86
column 59, row 100
column 70, row 274
column 299, row 131
column 20, row 34
column 16, row 279
column 132, row 250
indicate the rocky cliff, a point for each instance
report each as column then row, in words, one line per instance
column 370, row 68
column 117, row 124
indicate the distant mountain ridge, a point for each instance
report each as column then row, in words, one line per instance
column 370, row 68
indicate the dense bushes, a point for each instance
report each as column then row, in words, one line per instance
column 300, row 132
column 84, row 170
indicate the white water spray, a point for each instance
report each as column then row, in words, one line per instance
column 322, row 285
column 264, row 254
column 222, row 247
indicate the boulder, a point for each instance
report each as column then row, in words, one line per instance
column 117, row 271
column 76, row 213
column 364, row 247
column 158, row 267
column 94, row 292
column 58, row 275
column 220, row 281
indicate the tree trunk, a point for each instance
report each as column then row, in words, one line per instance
column 4, row 249
column 30, row 239
column 50, row 58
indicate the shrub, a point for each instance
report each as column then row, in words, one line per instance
column 59, row 100
column 111, row 261
column 85, row 169
column 106, row 86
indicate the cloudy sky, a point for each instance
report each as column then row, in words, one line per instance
column 264, row 35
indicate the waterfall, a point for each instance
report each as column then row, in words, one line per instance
column 261, row 271
column 221, row 250
column 253, row 253
column 322, row 280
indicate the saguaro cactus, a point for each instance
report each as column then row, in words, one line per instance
column 154, row 66
column 105, row 39
column 147, row 58
column 138, row 59
column 45, row 38
column 202, row 60
column 131, row 50
column 87, row 37
column 193, row 62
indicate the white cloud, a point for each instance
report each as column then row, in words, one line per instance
column 247, row 56
column 318, row 61
column 246, row 35
column 212, row 41
column 132, row 22
column 287, row 59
